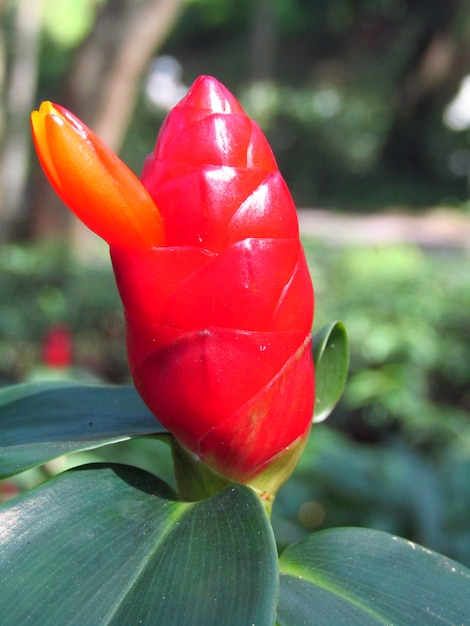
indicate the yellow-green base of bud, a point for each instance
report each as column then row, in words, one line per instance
column 196, row 480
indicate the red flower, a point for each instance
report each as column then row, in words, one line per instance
column 57, row 347
column 219, row 305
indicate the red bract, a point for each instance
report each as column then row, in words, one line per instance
column 219, row 313
column 219, row 320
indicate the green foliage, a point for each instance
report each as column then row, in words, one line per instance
column 41, row 287
column 406, row 315
column 67, row 418
column 345, row 125
column 115, row 544
column 364, row 577
column 391, row 487
column 328, row 140
column 331, row 358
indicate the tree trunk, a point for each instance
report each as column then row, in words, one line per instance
column 19, row 91
column 431, row 63
column 263, row 41
column 105, row 79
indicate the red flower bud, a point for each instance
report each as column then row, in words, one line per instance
column 219, row 312
column 219, row 320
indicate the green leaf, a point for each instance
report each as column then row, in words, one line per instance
column 41, row 421
column 367, row 577
column 110, row 544
column 331, row 357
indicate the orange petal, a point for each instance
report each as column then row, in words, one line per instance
column 94, row 183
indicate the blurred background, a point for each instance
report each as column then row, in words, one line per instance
column 366, row 104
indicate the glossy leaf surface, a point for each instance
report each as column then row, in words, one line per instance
column 367, row 577
column 39, row 422
column 331, row 358
column 112, row 545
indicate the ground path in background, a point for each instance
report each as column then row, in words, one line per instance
column 440, row 228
